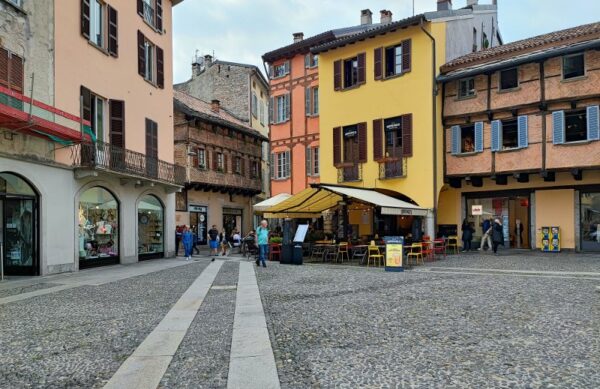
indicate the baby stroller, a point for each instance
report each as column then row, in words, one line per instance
column 250, row 248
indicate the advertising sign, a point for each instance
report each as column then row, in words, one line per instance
column 476, row 210
column 393, row 256
column 550, row 239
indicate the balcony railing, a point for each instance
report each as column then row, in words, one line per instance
column 395, row 168
column 349, row 172
column 115, row 159
column 230, row 180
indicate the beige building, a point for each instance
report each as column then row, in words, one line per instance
column 86, row 151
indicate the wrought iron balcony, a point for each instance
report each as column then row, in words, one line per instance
column 104, row 156
column 349, row 172
column 393, row 168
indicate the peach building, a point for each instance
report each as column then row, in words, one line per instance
column 86, row 152
column 294, row 110
column 521, row 127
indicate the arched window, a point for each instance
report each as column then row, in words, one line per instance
column 98, row 228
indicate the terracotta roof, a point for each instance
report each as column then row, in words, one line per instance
column 203, row 110
column 570, row 35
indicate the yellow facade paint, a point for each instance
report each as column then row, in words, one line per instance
column 404, row 94
column 556, row 208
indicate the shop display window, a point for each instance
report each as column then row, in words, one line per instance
column 150, row 226
column 590, row 221
column 98, row 225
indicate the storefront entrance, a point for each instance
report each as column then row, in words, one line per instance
column 590, row 221
column 232, row 220
column 513, row 210
column 199, row 222
column 150, row 228
column 18, row 225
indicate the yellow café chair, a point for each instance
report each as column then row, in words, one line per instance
column 416, row 252
column 375, row 255
column 452, row 244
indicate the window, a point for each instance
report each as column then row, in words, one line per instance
column 312, row 161
column 393, row 137
column 261, row 110
column 350, row 72
column 99, row 25
column 575, row 126
column 280, row 108
column 151, row 12
column 315, row 107
column 311, row 101
column 573, row 66
column 282, row 168
column 311, row 60
column 509, row 79
column 202, row 158
column 255, row 172
column 510, row 134
column 466, row 88
column 151, row 148
column 11, row 71
column 93, row 111
column 393, row 60
column 280, row 70
column 254, row 105
column 150, row 61
column 220, row 162
column 315, row 161
column 97, row 22
column 238, row 165
column 467, row 139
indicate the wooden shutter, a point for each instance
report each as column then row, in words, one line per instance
column 113, row 35
column 307, row 60
column 286, row 104
column 362, row 142
column 141, row 54
column 593, row 122
column 337, row 75
column 159, row 14
column 160, row 68
column 479, row 137
column 362, row 59
column 85, row 18
column 196, row 158
column 86, row 103
column 117, row 123
column 407, row 138
column 377, row 139
column 140, row 7
column 522, row 131
column 307, row 101
column 4, row 61
column 151, row 139
column 15, row 73
column 558, row 127
column 496, row 135
column 406, row 49
column 286, row 67
column 308, row 156
column 272, row 165
column 271, row 108
column 378, row 54
column 215, row 161
column 337, row 145
column 455, row 140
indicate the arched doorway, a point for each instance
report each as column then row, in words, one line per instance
column 19, row 225
column 98, row 234
column 151, row 228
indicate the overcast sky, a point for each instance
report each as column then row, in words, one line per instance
column 243, row 30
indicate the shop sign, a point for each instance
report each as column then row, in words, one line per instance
column 197, row 208
column 393, row 256
column 476, row 210
column 232, row 211
column 350, row 132
column 406, row 212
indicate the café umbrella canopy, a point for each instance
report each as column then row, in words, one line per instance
column 266, row 204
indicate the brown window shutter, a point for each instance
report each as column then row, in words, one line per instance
column 141, row 54
column 148, row 136
column 378, row 63
column 337, row 75
column 85, row 18
column 362, row 59
column 113, row 47
column 117, row 123
column 160, row 68
column 15, row 73
column 337, row 145
column 195, row 158
column 86, row 103
column 406, row 47
column 243, row 167
column 140, row 7
column 215, row 160
column 4, row 60
column 159, row 12
column 362, row 142
column 407, row 147
column 377, row 139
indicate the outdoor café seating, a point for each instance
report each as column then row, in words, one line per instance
column 453, row 244
column 416, row 253
column 342, row 251
column 439, row 247
column 375, row 255
column 274, row 251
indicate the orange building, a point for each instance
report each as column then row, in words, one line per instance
column 294, row 109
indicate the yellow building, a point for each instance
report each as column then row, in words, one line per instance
column 380, row 113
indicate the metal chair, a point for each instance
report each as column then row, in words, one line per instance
column 274, row 250
column 453, row 244
column 416, row 252
column 439, row 247
column 342, row 251
column 427, row 249
column 375, row 255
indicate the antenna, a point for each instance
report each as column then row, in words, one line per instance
column 413, row 1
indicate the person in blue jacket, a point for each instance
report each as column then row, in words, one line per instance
column 188, row 242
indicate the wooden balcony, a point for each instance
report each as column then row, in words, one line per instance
column 211, row 180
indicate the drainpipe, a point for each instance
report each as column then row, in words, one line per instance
column 434, row 93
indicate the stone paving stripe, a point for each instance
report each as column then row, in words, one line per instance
column 505, row 274
column 251, row 363
column 146, row 366
column 536, row 272
column 35, row 293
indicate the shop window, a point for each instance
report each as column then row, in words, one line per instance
column 466, row 88
column 573, row 66
column 576, row 126
column 98, row 227
column 150, row 226
column 509, row 79
column 510, row 134
column 590, row 221
column 350, row 72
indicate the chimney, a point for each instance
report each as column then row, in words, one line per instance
column 444, row 5
column 197, row 68
column 472, row 2
column 208, row 60
column 215, row 105
column 366, row 17
column 385, row 16
column 298, row 36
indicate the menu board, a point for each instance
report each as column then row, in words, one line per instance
column 301, row 233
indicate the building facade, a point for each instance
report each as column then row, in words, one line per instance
column 222, row 158
column 380, row 111
column 521, row 139
column 86, row 172
column 241, row 90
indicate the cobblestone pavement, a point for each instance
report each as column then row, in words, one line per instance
column 202, row 360
column 25, row 289
column 351, row 327
column 78, row 338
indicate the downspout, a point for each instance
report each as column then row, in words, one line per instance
column 434, row 93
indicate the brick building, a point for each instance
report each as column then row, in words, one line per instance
column 222, row 157
column 522, row 139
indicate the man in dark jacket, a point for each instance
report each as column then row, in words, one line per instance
column 467, row 235
column 497, row 235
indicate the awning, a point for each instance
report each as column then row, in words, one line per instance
column 266, row 204
column 312, row 201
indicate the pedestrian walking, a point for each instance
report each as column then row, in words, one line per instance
column 224, row 242
column 487, row 235
column 195, row 245
column 213, row 240
column 262, row 239
column 178, row 235
column 497, row 235
column 236, row 239
column 467, row 235
column 188, row 241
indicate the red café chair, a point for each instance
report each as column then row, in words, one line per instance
column 439, row 247
column 274, row 250
column 427, row 250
